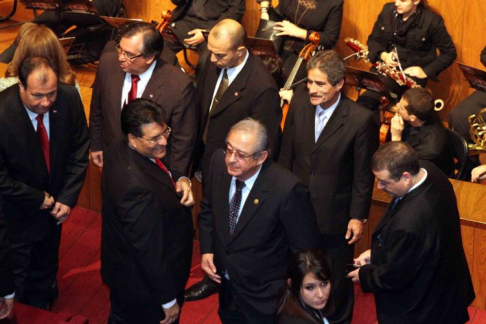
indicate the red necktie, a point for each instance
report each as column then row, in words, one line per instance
column 43, row 139
column 132, row 95
column 162, row 166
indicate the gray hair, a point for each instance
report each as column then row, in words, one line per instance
column 256, row 128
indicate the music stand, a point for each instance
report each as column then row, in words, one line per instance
column 367, row 80
column 259, row 46
column 475, row 77
column 79, row 6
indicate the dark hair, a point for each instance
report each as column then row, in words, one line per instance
column 330, row 63
column 138, row 113
column 153, row 43
column 419, row 103
column 36, row 63
column 289, row 300
column 396, row 157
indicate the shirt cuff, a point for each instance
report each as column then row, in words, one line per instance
column 169, row 304
column 12, row 295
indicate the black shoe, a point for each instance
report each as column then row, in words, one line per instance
column 200, row 291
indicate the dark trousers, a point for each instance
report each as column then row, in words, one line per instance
column 130, row 312
column 35, row 269
column 235, row 310
column 340, row 253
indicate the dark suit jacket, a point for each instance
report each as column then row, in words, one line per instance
column 427, row 34
column 23, row 171
column 6, row 271
column 432, row 143
column 276, row 221
column 337, row 168
column 147, row 234
column 215, row 10
column 418, row 269
column 252, row 94
column 168, row 86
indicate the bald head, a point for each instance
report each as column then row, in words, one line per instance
column 229, row 31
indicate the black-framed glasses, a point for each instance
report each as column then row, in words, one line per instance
column 157, row 139
column 129, row 57
column 239, row 156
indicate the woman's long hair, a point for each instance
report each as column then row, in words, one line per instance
column 38, row 40
column 289, row 300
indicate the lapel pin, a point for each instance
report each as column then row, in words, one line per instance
column 236, row 94
column 54, row 111
column 256, row 201
column 151, row 95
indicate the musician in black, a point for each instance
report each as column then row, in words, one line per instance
column 408, row 33
column 299, row 18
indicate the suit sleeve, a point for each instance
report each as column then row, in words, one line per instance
column 330, row 35
column 236, row 10
column 266, row 109
column 184, row 132
column 299, row 220
column 205, row 219
column 140, row 210
column 77, row 162
column 6, row 271
column 405, row 258
column 483, row 56
column 443, row 41
column 96, row 111
column 366, row 144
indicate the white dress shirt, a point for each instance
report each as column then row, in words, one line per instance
column 141, row 85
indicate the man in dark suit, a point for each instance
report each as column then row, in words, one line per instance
column 147, row 233
column 424, row 130
column 235, row 85
column 416, row 267
column 142, row 74
column 191, row 18
column 6, row 274
column 328, row 143
column 44, row 154
column 254, row 216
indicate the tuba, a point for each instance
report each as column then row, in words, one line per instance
column 478, row 131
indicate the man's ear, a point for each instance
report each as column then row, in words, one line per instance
column 289, row 282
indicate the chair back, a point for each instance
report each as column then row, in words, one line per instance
column 460, row 151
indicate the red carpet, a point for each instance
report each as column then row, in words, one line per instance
column 83, row 296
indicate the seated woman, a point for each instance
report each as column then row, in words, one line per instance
column 38, row 40
column 300, row 19
column 409, row 32
column 304, row 299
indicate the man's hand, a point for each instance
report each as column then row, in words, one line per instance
column 197, row 37
column 354, row 275
column 364, row 258
column 396, row 128
column 286, row 28
column 183, row 186
column 208, row 266
column 97, row 158
column 355, row 227
column 60, row 212
column 415, row 71
column 286, row 95
column 171, row 314
column 48, row 201
column 389, row 59
column 6, row 307
column 478, row 173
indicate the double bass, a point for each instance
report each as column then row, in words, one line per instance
column 304, row 56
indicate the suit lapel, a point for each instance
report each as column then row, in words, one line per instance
column 336, row 121
column 222, row 197
column 153, row 170
column 54, row 129
column 155, row 83
column 210, row 83
column 116, row 88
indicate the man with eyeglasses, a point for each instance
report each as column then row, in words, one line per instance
column 43, row 159
column 234, row 86
column 146, row 243
column 254, row 216
column 133, row 69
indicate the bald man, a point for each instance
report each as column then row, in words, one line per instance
column 235, row 85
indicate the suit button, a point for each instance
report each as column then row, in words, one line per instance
column 312, row 173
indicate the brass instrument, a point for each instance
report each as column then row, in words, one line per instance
column 478, row 131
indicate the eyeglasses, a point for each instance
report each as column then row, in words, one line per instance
column 237, row 154
column 157, row 139
column 129, row 57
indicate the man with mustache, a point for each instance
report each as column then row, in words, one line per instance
column 328, row 142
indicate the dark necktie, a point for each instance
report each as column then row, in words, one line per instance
column 43, row 139
column 235, row 205
column 132, row 95
column 222, row 88
column 162, row 166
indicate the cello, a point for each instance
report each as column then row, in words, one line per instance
column 304, row 56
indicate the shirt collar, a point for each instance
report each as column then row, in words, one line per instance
column 328, row 112
column 249, row 182
column 234, row 71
